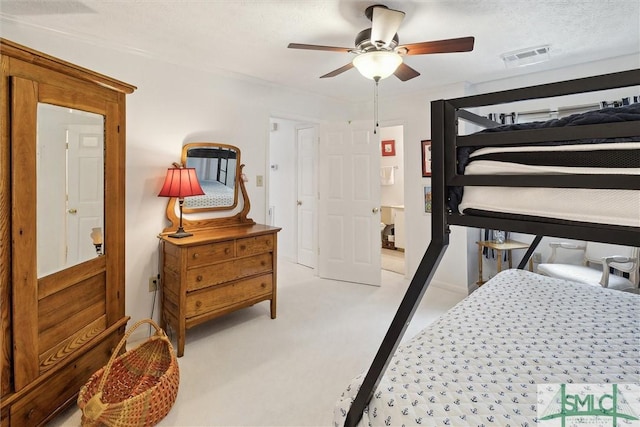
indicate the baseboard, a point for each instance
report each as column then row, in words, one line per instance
column 450, row 287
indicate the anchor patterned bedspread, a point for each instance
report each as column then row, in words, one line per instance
column 481, row 363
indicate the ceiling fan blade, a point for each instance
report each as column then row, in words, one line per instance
column 318, row 47
column 404, row 72
column 384, row 25
column 462, row 44
column 338, row 71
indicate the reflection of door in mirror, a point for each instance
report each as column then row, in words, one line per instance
column 217, row 169
column 70, row 186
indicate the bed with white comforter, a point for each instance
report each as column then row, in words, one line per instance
column 482, row 362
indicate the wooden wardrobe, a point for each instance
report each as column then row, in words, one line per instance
column 61, row 305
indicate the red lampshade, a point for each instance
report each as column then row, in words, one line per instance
column 181, row 182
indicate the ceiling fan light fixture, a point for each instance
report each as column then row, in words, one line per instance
column 377, row 65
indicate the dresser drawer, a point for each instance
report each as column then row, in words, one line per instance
column 219, row 297
column 201, row 277
column 206, row 254
column 255, row 245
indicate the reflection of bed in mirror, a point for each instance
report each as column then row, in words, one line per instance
column 216, row 195
column 216, row 165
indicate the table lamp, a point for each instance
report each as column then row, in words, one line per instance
column 181, row 182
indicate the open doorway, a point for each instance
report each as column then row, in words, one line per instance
column 292, row 189
column 392, row 199
column 293, row 175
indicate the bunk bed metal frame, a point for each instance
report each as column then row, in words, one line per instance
column 445, row 115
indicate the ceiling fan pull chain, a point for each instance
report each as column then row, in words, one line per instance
column 375, row 107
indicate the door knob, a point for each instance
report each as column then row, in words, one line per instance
column 299, row 203
column 375, row 210
column 73, row 211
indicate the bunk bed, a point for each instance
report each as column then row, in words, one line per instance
column 481, row 363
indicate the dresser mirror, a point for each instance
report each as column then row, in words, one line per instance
column 217, row 167
column 225, row 202
column 70, row 186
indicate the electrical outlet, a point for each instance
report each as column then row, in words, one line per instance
column 153, row 283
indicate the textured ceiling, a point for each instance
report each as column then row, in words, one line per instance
column 251, row 37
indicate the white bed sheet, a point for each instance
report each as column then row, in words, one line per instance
column 620, row 207
column 481, row 363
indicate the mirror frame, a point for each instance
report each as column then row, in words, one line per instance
column 193, row 220
column 237, row 178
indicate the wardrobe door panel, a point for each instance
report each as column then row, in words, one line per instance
column 56, row 314
column 25, row 280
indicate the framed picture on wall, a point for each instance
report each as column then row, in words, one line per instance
column 389, row 147
column 426, row 158
column 427, row 199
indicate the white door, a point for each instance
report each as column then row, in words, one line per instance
column 306, row 197
column 85, row 210
column 349, row 203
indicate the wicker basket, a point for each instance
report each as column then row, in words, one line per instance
column 137, row 388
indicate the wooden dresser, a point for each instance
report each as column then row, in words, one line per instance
column 215, row 272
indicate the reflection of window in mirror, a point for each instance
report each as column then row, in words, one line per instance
column 70, row 186
column 217, row 167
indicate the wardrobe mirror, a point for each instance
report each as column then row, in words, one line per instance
column 217, row 168
column 70, row 187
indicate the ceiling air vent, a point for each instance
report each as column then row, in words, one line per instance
column 528, row 56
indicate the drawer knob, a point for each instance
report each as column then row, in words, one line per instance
column 196, row 255
column 199, row 278
column 198, row 304
column 226, row 251
column 264, row 285
column 242, row 247
column 263, row 263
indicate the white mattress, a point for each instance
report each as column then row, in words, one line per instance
column 216, row 195
column 621, row 207
column 481, row 363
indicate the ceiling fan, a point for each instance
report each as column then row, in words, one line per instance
column 377, row 49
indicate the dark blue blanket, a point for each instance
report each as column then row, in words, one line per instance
column 605, row 115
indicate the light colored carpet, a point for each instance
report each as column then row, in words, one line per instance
column 245, row 369
column 393, row 260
